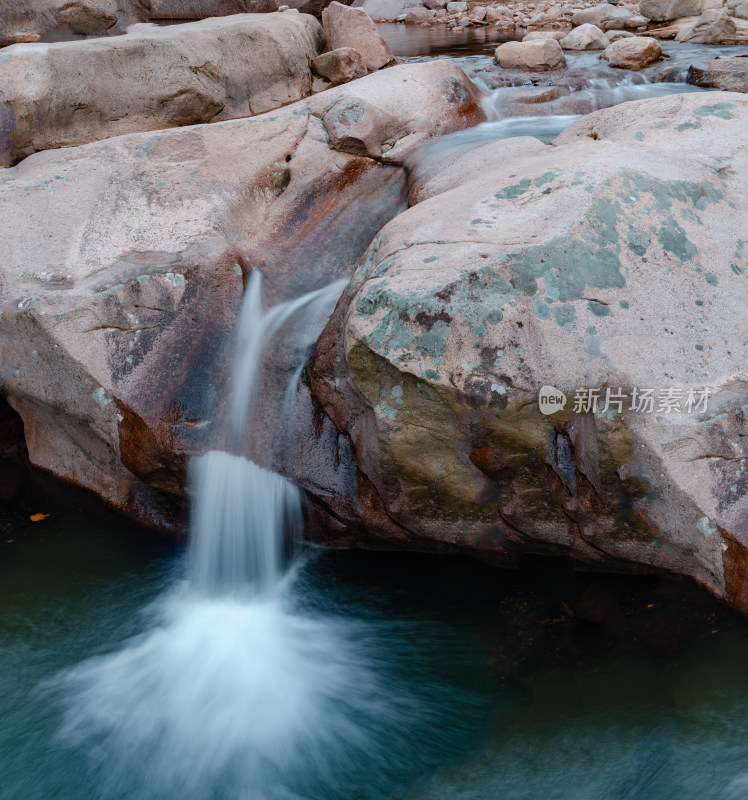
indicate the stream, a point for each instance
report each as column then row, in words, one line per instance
column 246, row 665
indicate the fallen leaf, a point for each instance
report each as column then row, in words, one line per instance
column 38, row 517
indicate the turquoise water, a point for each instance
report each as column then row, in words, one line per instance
column 535, row 684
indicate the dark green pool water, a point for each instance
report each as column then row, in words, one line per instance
column 528, row 685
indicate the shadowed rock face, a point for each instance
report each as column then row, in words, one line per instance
column 129, row 259
column 152, row 78
column 613, row 259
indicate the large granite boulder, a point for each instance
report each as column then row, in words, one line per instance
column 353, row 27
column 126, row 260
column 585, row 37
column 23, row 20
column 712, row 27
column 604, row 16
column 633, row 52
column 729, row 73
column 666, row 10
column 537, row 55
column 57, row 95
column 461, row 368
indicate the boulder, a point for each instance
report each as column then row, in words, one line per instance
column 539, row 55
column 738, row 8
column 353, row 27
column 604, row 16
column 632, row 53
column 607, row 263
column 129, row 255
column 456, row 7
column 585, row 37
column 637, row 21
column 435, row 5
column 58, row 95
column 340, row 66
column 730, row 74
column 535, row 35
column 388, row 9
column 417, row 16
column 665, row 10
column 614, row 36
column 712, row 27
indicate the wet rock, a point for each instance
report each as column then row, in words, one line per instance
column 130, row 254
column 556, row 269
column 340, row 66
column 539, row 55
column 585, row 37
column 666, row 10
column 604, row 16
column 712, row 27
column 58, row 95
column 632, row 53
column 353, row 27
column 730, row 74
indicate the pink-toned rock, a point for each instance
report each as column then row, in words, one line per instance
column 540, row 55
column 340, row 66
column 353, row 27
column 604, row 16
column 632, row 53
column 666, row 10
column 417, row 16
column 563, row 268
column 585, row 37
column 129, row 257
column 712, row 27
column 535, row 35
column 154, row 77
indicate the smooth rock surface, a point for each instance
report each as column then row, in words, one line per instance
column 634, row 52
column 611, row 259
column 353, row 27
column 129, row 256
column 585, row 37
column 540, row 55
column 604, row 16
column 712, row 27
column 665, row 10
column 58, row 95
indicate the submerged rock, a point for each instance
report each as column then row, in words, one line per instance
column 729, row 73
column 633, row 52
column 129, row 258
column 57, row 95
column 611, row 264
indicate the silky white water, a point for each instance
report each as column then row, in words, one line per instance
column 234, row 689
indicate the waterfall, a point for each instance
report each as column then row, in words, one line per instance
column 246, row 519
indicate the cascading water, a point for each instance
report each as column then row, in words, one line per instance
column 238, row 689
column 244, row 516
